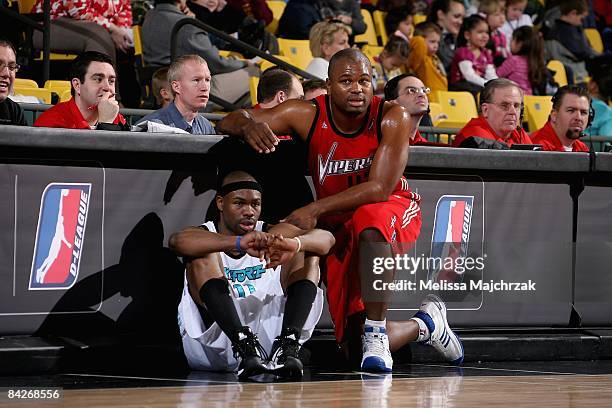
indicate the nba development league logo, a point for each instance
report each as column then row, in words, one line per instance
column 59, row 236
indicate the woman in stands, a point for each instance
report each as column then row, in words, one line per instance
column 326, row 39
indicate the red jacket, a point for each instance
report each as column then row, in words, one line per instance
column 480, row 128
column 68, row 116
column 549, row 140
column 257, row 9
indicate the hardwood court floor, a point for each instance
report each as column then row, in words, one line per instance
column 528, row 384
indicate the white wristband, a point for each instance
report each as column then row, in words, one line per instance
column 299, row 244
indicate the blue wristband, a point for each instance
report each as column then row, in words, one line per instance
column 238, row 238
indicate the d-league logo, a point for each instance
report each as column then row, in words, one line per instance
column 59, row 236
column 451, row 234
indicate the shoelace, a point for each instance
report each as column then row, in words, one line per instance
column 375, row 344
column 287, row 348
column 250, row 346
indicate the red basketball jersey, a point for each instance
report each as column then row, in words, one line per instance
column 339, row 160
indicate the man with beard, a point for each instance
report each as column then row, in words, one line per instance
column 499, row 124
column 357, row 152
column 93, row 104
column 569, row 117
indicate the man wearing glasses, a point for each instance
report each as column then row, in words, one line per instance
column 499, row 124
column 407, row 90
column 10, row 111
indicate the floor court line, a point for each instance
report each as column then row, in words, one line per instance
column 127, row 377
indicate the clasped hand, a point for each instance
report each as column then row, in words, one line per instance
column 274, row 248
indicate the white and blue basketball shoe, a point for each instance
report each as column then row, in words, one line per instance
column 441, row 337
column 376, row 354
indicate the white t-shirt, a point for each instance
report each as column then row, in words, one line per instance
column 509, row 27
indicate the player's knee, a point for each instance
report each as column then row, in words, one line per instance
column 206, row 266
column 371, row 235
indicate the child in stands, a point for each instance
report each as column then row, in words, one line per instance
column 526, row 65
column 472, row 65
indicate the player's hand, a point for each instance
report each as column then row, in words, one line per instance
column 281, row 250
column 260, row 137
column 304, row 218
column 108, row 108
column 255, row 243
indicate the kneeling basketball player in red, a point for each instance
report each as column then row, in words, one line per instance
column 357, row 151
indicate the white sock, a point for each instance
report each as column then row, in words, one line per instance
column 423, row 330
column 376, row 323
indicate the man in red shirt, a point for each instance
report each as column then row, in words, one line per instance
column 498, row 125
column 568, row 119
column 357, row 152
column 93, row 104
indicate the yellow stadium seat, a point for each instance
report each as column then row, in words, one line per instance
column 25, row 6
column 594, row 39
column 277, row 7
column 265, row 64
column 65, row 96
column 372, row 51
column 253, row 82
column 537, row 109
column 379, row 24
column 369, row 37
column 297, row 50
column 460, row 107
column 435, row 111
column 418, row 18
column 560, row 74
column 57, row 86
column 42, row 94
column 25, row 83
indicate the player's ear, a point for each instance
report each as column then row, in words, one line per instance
column 219, row 201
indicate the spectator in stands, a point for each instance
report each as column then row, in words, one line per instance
column 423, row 60
column 473, row 63
column 448, row 14
column 230, row 77
column 301, row 15
column 101, row 25
column 190, row 83
column 493, row 12
column 526, row 65
column 600, row 88
column 244, row 18
column 498, row 125
column 515, row 17
column 399, row 22
column 566, row 41
column 326, row 39
column 10, row 112
column 275, row 87
column 93, row 104
column 161, row 88
column 408, row 90
column 568, row 29
column 389, row 62
column 314, row 88
column 567, row 122
column 80, row 25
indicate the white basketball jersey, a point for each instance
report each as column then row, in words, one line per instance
column 248, row 275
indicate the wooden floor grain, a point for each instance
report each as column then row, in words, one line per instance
column 477, row 391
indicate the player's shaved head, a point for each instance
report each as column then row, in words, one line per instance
column 236, row 176
column 348, row 55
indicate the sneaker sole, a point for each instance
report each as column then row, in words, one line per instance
column 374, row 365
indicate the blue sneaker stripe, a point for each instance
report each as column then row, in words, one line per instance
column 427, row 319
column 372, row 329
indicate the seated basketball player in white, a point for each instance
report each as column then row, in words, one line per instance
column 236, row 308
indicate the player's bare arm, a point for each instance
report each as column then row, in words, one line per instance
column 390, row 160
column 259, row 127
column 197, row 242
column 282, row 249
